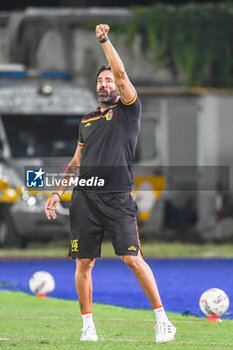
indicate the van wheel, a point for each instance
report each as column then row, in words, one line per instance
column 3, row 232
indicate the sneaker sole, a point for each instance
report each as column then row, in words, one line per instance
column 88, row 339
column 172, row 337
column 165, row 341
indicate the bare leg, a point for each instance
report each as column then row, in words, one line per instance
column 83, row 282
column 144, row 277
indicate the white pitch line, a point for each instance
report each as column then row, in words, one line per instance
column 103, row 319
column 119, row 340
column 45, row 317
column 141, row 321
column 34, row 339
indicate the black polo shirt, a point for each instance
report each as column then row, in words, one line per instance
column 109, row 141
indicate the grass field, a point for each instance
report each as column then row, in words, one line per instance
column 27, row 322
column 59, row 249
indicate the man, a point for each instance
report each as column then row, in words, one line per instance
column 107, row 142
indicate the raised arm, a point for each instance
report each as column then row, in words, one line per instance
column 123, row 85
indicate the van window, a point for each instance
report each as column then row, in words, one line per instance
column 41, row 135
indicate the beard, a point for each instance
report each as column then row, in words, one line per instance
column 107, row 99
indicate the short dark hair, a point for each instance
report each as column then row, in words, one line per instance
column 101, row 69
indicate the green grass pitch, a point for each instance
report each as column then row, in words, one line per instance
column 27, row 322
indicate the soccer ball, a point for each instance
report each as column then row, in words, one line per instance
column 214, row 302
column 41, row 283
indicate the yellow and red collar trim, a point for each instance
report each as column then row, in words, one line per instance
column 98, row 116
column 90, row 119
column 130, row 102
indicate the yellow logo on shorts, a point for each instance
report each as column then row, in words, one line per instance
column 88, row 124
column 74, row 245
column 132, row 247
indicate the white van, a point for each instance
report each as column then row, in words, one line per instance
column 38, row 125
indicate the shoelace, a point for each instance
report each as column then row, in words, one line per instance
column 89, row 330
column 163, row 327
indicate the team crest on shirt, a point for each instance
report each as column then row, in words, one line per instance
column 109, row 115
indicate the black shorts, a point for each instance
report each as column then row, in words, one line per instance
column 92, row 214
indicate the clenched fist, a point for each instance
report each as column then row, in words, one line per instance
column 102, row 31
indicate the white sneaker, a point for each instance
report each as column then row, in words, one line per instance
column 164, row 332
column 89, row 334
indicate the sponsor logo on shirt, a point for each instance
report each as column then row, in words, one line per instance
column 88, row 124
